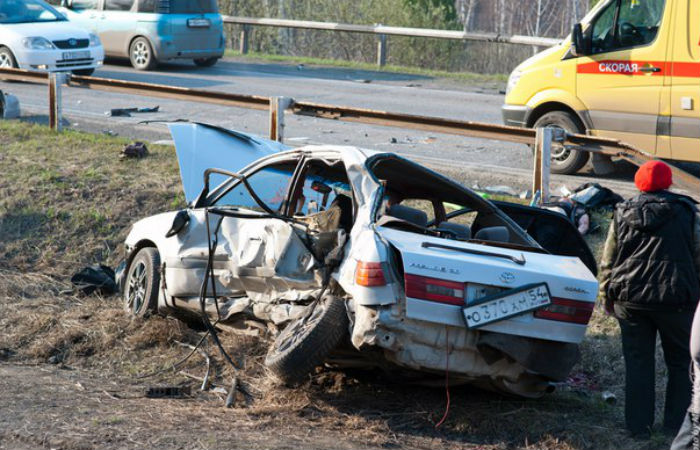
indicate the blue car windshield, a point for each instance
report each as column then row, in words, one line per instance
column 27, row 11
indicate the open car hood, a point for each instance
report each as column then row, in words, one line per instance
column 201, row 146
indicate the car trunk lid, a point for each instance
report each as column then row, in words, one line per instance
column 474, row 271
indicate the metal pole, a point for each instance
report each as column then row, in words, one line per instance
column 381, row 50
column 55, row 82
column 245, row 34
column 277, row 107
column 542, row 164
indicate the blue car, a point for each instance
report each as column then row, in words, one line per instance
column 151, row 31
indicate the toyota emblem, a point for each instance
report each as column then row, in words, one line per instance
column 507, row 277
column 72, row 42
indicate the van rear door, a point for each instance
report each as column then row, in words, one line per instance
column 195, row 24
column 620, row 82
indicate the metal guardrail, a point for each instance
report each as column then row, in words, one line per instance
column 382, row 31
column 542, row 139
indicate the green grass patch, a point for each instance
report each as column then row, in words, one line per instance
column 323, row 62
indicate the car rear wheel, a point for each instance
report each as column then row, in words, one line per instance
column 141, row 54
column 142, row 281
column 7, row 59
column 307, row 341
column 564, row 161
column 83, row 72
column 205, row 62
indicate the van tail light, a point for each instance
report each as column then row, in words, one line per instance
column 370, row 274
column 565, row 310
column 433, row 289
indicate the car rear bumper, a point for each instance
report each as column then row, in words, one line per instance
column 515, row 115
column 434, row 348
column 167, row 50
column 60, row 60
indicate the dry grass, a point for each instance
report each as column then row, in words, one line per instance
column 67, row 201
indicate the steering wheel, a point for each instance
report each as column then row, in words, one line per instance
column 629, row 34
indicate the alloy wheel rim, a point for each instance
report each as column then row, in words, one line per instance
column 140, row 53
column 5, row 60
column 136, row 287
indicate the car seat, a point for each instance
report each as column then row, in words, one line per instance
column 493, row 234
column 412, row 215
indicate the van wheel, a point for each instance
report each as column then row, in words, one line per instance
column 564, row 161
column 7, row 59
column 206, row 62
column 141, row 54
column 307, row 341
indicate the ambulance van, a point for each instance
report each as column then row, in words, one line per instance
column 629, row 71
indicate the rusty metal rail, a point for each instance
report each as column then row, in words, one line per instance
column 278, row 105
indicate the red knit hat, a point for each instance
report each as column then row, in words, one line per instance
column 653, row 176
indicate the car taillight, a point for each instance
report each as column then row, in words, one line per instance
column 433, row 289
column 564, row 310
column 369, row 274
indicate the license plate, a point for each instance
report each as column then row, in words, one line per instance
column 198, row 23
column 506, row 304
column 76, row 55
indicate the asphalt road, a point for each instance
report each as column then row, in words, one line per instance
column 483, row 161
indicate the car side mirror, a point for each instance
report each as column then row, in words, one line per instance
column 579, row 45
column 180, row 221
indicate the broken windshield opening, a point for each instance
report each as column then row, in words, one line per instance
column 419, row 200
column 270, row 183
column 322, row 197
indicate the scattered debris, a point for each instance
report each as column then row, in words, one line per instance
column 414, row 85
column 98, row 279
column 497, row 190
column 609, row 397
column 6, row 353
column 168, row 392
column 134, row 150
column 110, row 132
column 393, row 140
column 126, row 112
column 365, row 81
column 300, row 66
column 9, row 106
column 231, row 397
column 593, row 195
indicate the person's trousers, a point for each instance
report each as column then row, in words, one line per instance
column 639, row 329
column 689, row 435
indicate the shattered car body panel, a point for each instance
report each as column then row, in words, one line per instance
column 368, row 226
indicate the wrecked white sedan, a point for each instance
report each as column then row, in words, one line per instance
column 357, row 257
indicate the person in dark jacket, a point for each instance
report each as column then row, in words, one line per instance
column 650, row 281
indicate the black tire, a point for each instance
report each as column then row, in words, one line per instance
column 141, row 54
column 7, row 59
column 205, row 62
column 306, row 342
column 83, row 72
column 564, row 161
column 142, row 283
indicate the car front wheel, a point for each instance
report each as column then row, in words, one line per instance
column 142, row 282
column 141, row 54
column 564, row 161
column 307, row 341
column 7, row 59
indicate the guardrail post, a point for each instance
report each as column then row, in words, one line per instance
column 543, row 161
column 277, row 107
column 55, row 82
column 245, row 35
column 381, row 50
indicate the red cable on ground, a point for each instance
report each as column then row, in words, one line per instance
column 447, row 380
